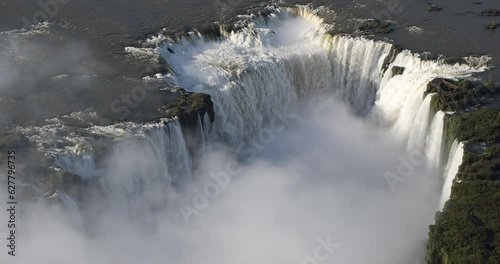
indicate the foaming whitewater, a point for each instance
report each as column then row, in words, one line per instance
column 451, row 170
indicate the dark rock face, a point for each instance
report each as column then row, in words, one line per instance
column 396, row 70
column 190, row 107
column 395, row 50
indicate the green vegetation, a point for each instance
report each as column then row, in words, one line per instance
column 457, row 95
column 480, row 167
column 468, row 229
column 480, row 126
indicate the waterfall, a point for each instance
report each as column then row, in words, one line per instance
column 153, row 161
column 399, row 97
column 201, row 133
column 332, row 160
column 272, row 64
column 72, row 207
column 255, row 73
column 207, row 129
column 419, row 128
column 434, row 141
column 165, row 139
column 262, row 71
column 138, row 180
column 357, row 64
column 259, row 74
column 168, row 143
column 454, row 161
column 78, row 161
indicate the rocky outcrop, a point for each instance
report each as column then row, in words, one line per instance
column 395, row 50
column 396, row 70
column 190, row 107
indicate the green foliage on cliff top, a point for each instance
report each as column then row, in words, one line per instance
column 468, row 229
column 482, row 125
column 457, row 95
column 480, row 167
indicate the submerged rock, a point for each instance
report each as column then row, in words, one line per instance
column 434, row 8
column 415, row 30
column 491, row 12
column 376, row 26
